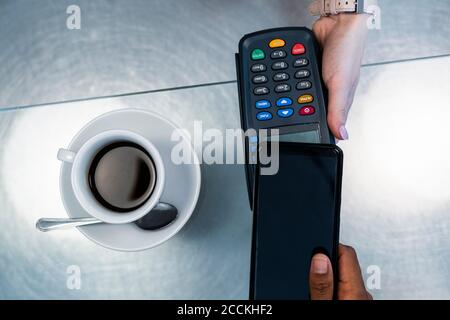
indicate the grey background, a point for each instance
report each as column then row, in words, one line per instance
column 395, row 203
column 135, row 45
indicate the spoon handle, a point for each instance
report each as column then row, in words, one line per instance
column 49, row 224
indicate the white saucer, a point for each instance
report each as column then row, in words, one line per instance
column 181, row 189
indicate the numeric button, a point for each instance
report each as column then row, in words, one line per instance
column 278, row 54
column 304, row 85
column 259, row 67
column 259, row 79
column 302, row 62
column 281, row 77
column 302, row 74
column 282, row 88
column 280, row 65
column 261, row 91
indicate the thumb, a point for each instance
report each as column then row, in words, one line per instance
column 351, row 282
column 321, row 278
column 339, row 102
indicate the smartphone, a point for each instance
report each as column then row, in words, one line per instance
column 295, row 215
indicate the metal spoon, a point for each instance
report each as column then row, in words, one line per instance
column 160, row 216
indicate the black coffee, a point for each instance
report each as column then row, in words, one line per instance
column 122, row 176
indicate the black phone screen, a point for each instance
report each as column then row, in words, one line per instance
column 296, row 214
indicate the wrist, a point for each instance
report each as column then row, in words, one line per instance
column 352, row 19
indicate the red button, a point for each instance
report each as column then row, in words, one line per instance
column 298, row 48
column 307, row 111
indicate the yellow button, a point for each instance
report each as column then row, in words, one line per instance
column 306, row 98
column 277, row 43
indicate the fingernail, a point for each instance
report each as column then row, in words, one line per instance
column 344, row 133
column 320, row 266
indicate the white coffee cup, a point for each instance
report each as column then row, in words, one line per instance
column 82, row 160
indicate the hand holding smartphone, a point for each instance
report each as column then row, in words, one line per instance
column 296, row 215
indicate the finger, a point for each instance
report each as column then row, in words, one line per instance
column 349, row 269
column 351, row 283
column 321, row 28
column 321, row 278
column 338, row 107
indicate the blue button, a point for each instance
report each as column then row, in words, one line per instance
column 284, row 102
column 253, row 139
column 285, row 113
column 264, row 116
column 263, row 104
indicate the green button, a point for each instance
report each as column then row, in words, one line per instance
column 258, row 54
